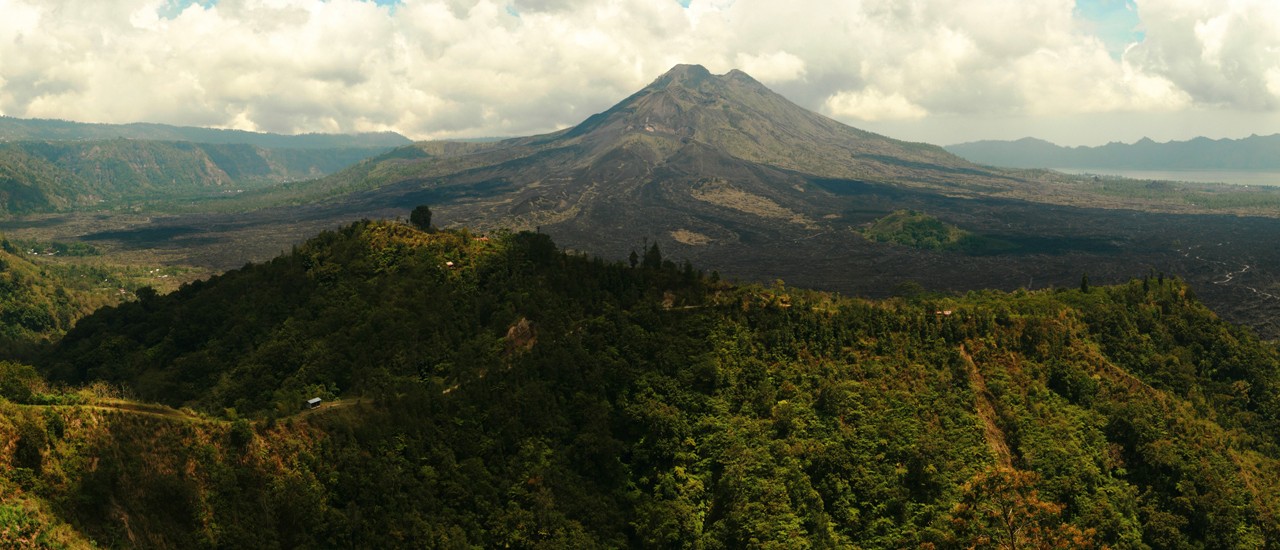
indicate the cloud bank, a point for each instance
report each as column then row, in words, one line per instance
column 465, row 68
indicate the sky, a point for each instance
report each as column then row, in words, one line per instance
column 1075, row 72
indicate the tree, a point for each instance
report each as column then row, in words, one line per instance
column 18, row 382
column 421, row 217
column 1000, row 508
column 28, row 450
column 634, row 259
column 653, row 257
column 1084, row 283
column 146, row 294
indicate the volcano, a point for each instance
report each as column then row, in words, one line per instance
column 723, row 172
column 712, row 166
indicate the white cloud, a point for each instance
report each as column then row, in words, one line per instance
column 778, row 66
column 1220, row 53
column 442, row 68
column 871, row 104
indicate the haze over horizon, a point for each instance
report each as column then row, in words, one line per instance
column 1082, row 72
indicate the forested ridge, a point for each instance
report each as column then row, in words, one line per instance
column 496, row 391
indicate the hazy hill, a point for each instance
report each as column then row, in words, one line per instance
column 57, row 175
column 1251, row 153
column 19, row 129
column 513, row 395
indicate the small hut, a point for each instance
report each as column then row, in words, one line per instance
column 313, row 402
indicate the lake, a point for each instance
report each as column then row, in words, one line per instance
column 1236, row 177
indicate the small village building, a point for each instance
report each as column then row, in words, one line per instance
column 313, row 402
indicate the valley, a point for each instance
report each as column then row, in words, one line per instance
column 723, row 172
column 1026, row 244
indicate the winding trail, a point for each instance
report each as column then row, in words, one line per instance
column 1231, row 274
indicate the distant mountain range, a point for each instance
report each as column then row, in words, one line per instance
column 40, row 176
column 52, row 165
column 1251, row 153
column 20, row 129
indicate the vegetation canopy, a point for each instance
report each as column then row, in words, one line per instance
column 494, row 391
column 917, row 230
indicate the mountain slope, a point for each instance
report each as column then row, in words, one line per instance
column 515, row 396
column 1251, row 153
column 717, row 160
column 685, row 113
column 736, row 115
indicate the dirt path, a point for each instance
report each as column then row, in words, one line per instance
column 986, row 412
column 329, row 406
column 163, row 411
column 144, row 409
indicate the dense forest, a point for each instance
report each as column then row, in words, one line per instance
column 493, row 391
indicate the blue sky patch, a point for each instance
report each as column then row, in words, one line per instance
column 1115, row 22
column 173, row 8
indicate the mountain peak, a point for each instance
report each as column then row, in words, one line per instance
column 683, row 74
column 737, row 116
column 738, row 74
column 694, row 76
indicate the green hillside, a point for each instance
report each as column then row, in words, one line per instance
column 39, row 302
column 41, row 176
column 45, row 287
column 497, row 392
